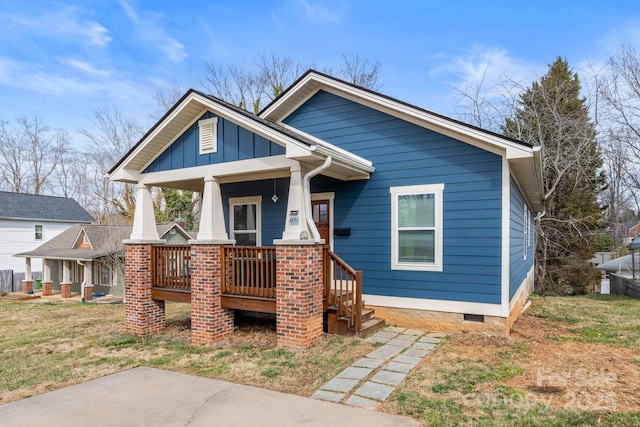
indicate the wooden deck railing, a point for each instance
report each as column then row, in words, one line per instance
column 171, row 266
column 343, row 288
column 249, row 271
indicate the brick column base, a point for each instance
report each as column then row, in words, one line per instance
column 65, row 290
column 88, row 293
column 209, row 321
column 46, row 289
column 143, row 315
column 27, row 286
column 298, row 295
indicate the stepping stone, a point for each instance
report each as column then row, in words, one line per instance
column 368, row 362
column 398, row 367
column 407, row 359
column 385, row 352
column 374, row 391
column 413, row 332
column 388, row 377
column 378, row 339
column 431, row 340
column 383, row 334
column 394, row 329
column 329, row 396
column 340, row 385
column 354, row 373
column 401, row 341
column 416, row 352
column 424, row 345
column 362, row 402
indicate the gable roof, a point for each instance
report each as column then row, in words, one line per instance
column 524, row 159
column 105, row 240
column 43, row 208
column 194, row 104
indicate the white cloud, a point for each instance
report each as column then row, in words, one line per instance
column 86, row 68
column 316, row 10
column 63, row 22
column 149, row 30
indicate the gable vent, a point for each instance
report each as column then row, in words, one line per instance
column 208, row 137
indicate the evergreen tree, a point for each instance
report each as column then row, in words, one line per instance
column 552, row 114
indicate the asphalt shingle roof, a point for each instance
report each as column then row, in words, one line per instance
column 51, row 208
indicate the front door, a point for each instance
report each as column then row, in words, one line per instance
column 321, row 216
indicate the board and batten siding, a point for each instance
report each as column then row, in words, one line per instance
column 234, row 143
column 521, row 249
column 406, row 154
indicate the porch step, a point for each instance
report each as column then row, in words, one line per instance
column 370, row 326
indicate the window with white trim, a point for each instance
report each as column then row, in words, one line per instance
column 416, row 227
column 38, row 231
column 208, row 130
column 245, row 220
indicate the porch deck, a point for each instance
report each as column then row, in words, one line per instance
column 249, row 282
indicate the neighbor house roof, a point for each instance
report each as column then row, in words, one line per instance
column 104, row 240
column 42, row 208
column 623, row 263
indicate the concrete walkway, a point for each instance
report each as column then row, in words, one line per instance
column 152, row 397
column 370, row 380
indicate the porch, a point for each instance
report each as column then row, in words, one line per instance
column 249, row 282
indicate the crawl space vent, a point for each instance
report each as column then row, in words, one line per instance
column 474, row 318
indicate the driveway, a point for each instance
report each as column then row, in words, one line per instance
column 153, row 397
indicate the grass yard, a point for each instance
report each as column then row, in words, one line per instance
column 570, row 361
column 44, row 347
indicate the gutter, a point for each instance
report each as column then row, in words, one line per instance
column 306, row 183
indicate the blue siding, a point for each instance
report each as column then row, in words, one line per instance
column 273, row 214
column 406, row 154
column 519, row 264
column 234, row 143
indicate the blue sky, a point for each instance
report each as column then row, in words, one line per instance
column 61, row 59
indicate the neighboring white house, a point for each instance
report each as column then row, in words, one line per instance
column 27, row 221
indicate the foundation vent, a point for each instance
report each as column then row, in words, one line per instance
column 474, row 318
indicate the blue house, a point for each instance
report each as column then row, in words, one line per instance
column 436, row 214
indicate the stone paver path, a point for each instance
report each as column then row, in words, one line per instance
column 370, row 380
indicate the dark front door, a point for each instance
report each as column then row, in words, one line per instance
column 321, row 215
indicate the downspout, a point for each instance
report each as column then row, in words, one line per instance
column 306, row 184
column 84, row 280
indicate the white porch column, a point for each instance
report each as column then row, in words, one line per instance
column 88, row 273
column 144, row 219
column 296, row 229
column 212, row 226
column 66, row 271
column 46, row 270
column 27, row 269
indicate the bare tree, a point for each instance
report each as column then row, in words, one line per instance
column 253, row 89
column 165, row 99
column 31, row 152
column 113, row 136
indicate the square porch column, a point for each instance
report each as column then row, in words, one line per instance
column 46, row 277
column 65, row 285
column 27, row 283
column 143, row 314
column 298, row 294
column 209, row 321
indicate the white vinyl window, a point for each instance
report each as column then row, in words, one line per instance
column 416, row 227
column 38, row 232
column 208, row 135
column 525, row 229
column 245, row 220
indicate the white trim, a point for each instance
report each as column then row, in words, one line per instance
column 327, row 196
column 435, row 189
column 506, row 244
column 248, row 200
column 208, row 135
column 528, row 280
column 446, row 306
column 525, row 236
